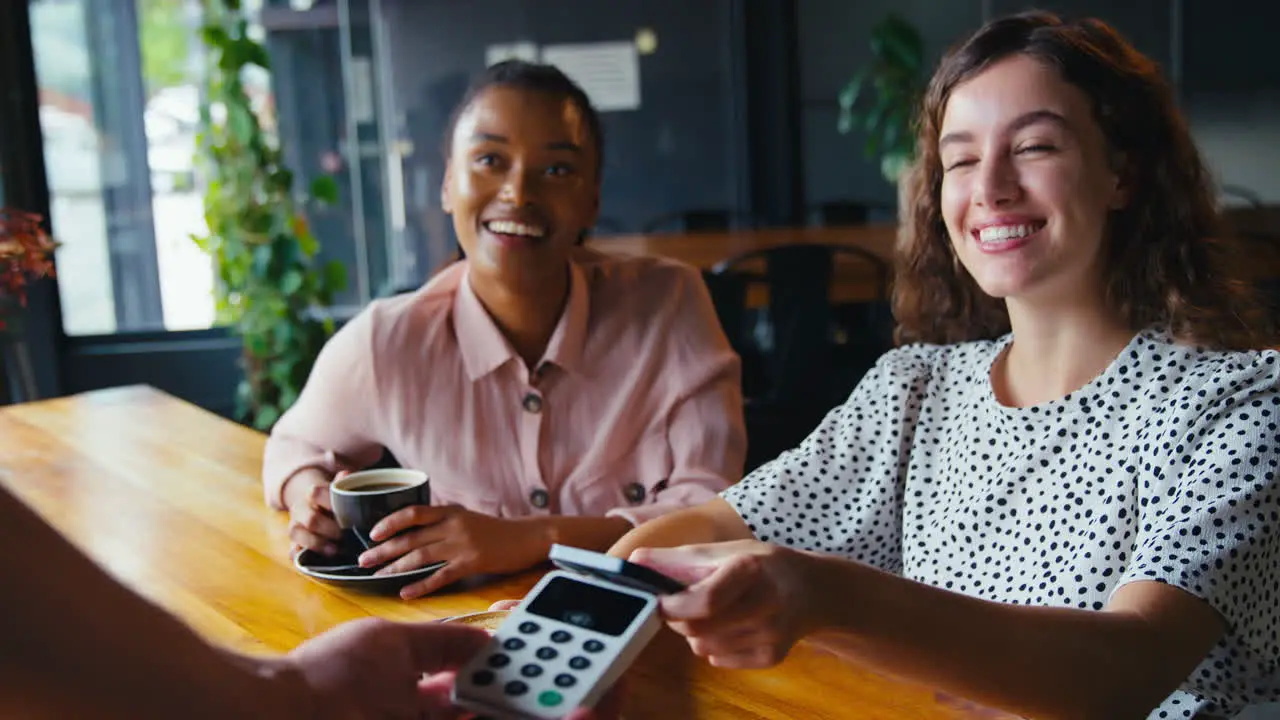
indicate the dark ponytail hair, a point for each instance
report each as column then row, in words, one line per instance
column 536, row 77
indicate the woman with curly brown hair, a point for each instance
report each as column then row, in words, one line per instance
column 1060, row 498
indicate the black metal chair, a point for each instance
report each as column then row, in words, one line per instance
column 839, row 213
column 728, row 292
column 848, row 212
column 794, row 371
column 1262, row 248
column 699, row 220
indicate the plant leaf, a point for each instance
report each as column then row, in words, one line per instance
column 263, row 256
column 308, row 245
column 288, row 396
column 260, row 241
column 287, row 251
column 325, row 189
column 877, row 115
column 292, row 282
column 257, row 344
column 844, row 122
column 893, row 164
column 892, row 80
column 214, row 36
column 891, row 131
column 852, row 90
column 335, row 276
column 900, row 43
column 241, row 123
column 281, row 372
column 267, row 417
column 255, row 54
column 244, row 399
column 282, row 180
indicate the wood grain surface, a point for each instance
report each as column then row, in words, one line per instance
column 166, row 497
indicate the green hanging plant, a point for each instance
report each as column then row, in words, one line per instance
column 269, row 287
column 896, row 83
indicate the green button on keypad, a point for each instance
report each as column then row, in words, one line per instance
column 550, row 698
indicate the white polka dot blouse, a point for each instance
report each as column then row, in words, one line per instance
column 1163, row 468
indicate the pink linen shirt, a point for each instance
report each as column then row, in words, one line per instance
column 634, row 410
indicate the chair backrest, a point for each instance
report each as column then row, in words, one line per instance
column 840, row 213
column 699, row 220
column 800, row 316
column 793, row 382
column 843, row 213
column 799, row 360
column 808, row 256
column 728, row 292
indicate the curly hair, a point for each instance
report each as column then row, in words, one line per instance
column 1165, row 261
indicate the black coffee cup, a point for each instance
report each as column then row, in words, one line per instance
column 363, row 498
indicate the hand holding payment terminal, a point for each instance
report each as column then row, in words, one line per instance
column 568, row 640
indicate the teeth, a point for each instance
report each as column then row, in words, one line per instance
column 997, row 233
column 507, row 227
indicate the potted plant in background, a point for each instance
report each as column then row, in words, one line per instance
column 26, row 255
column 881, row 99
column 270, row 290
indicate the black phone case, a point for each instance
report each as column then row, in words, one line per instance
column 634, row 576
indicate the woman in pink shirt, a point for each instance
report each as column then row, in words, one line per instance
column 553, row 394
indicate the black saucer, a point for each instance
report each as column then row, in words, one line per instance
column 343, row 571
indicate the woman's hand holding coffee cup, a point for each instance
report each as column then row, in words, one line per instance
column 470, row 542
column 311, row 522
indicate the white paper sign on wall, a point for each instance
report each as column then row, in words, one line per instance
column 526, row 51
column 609, row 72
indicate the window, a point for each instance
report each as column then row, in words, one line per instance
column 119, row 92
column 118, row 120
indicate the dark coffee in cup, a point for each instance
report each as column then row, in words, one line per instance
column 361, row 499
column 379, row 487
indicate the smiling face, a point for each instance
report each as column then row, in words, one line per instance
column 1027, row 183
column 521, row 184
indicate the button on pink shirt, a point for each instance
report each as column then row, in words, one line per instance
column 635, row 409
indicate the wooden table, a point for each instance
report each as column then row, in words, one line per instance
column 854, row 280
column 166, row 497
